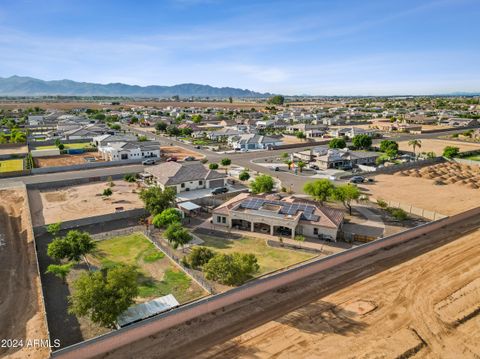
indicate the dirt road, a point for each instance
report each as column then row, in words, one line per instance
column 21, row 316
column 419, row 298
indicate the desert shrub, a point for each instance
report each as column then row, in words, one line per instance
column 382, row 203
column 398, row 213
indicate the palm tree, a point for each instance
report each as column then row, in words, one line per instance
column 289, row 163
column 300, row 165
column 415, row 144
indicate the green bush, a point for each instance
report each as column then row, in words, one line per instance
column 398, row 213
column 244, row 176
column 382, row 203
column 130, row 177
column 107, row 192
column 198, row 257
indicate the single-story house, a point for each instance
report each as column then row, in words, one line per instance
column 251, row 141
column 326, row 158
column 310, row 130
column 460, row 122
column 117, row 151
column 103, row 140
column 351, row 132
column 273, row 216
column 186, row 177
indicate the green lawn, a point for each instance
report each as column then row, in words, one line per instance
column 269, row 258
column 11, row 165
column 473, row 158
column 159, row 276
column 202, row 142
column 69, row 146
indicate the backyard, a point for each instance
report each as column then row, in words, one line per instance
column 80, row 201
column 11, row 165
column 159, row 275
column 68, row 146
column 269, row 258
column 473, row 157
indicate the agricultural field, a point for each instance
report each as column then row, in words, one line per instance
column 75, row 202
column 159, row 275
column 11, row 165
column 446, row 188
column 269, row 258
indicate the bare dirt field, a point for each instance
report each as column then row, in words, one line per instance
column 65, row 160
column 419, row 307
column 13, row 150
column 287, row 140
column 419, row 299
column 21, row 309
column 437, row 146
column 74, row 202
column 159, row 104
column 457, row 191
column 179, row 152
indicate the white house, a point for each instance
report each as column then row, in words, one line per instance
column 117, row 151
column 253, row 141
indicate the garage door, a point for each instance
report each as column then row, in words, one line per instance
column 216, row 183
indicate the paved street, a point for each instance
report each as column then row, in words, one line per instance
column 243, row 159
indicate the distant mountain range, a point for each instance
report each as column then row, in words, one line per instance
column 29, row 86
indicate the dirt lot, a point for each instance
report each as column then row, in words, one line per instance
column 287, row 140
column 418, row 299
column 158, row 104
column 420, row 306
column 437, row 146
column 179, row 152
column 418, row 188
column 64, row 160
column 13, row 150
column 69, row 203
column 21, row 311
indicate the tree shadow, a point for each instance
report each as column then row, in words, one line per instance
column 323, row 317
column 61, row 324
column 219, row 234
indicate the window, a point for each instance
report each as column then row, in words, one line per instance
column 200, row 183
column 182, row 185
column 219, row 219
column 315, row 231
column 224, row 219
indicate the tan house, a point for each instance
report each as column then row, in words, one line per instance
column 186, row 177
column 270, row 215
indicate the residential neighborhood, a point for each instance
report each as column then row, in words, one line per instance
column 239, row 180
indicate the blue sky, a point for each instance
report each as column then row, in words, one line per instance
column 291, row 47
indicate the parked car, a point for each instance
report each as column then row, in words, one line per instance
column 314, row 167
column 189, row 158
column 148, row 162
column 220, row 190
column 197, row 147
column 172, row 159
column 357, row 179
column 275, row 168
